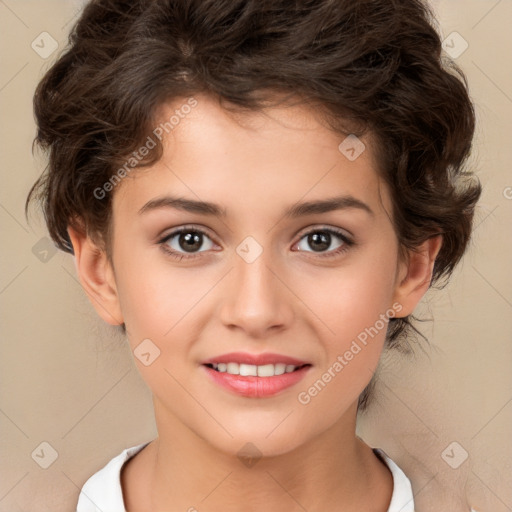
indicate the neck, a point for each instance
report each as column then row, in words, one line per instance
column 333, row 471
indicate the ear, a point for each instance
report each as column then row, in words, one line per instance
column 96, row 276
column 415, row 275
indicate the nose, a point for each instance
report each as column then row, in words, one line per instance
column 258, row 301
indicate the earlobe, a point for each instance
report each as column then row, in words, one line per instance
column 96, row 276
column 411, row 287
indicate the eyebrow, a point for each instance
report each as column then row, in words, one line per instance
column 297, row 210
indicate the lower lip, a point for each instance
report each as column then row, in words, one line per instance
column 256, row 387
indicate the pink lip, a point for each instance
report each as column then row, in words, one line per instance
column 251, row 386
column 256, row 359
column 256, row 387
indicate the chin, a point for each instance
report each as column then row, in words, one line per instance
column 256, row 442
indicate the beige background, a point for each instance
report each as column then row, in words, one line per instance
column 68, row 380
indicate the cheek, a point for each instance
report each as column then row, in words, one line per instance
column 351, row 298
column 154, row 296
column 166, row 306
column 351, row 307
column 352, row 355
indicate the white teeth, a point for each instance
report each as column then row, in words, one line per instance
column 267, row 370
column 280, row 369
column 245, row 370
column 233, row 368
column 248, row 369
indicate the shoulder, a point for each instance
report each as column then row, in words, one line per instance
column 102, row 492
column 402, row 499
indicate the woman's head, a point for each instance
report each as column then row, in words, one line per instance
column 279, row 86
column 254, row 234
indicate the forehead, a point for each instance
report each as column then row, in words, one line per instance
column 252, row 160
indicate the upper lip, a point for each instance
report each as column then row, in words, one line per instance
column 255, row 359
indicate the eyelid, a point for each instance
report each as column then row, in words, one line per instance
column 321, row 227
column 169, row 233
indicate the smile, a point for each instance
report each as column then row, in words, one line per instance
column 255, row 375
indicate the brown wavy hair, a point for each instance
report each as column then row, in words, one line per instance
column 372, row 65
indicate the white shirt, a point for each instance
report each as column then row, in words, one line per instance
column 103, row 492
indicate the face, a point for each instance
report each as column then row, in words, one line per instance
column 256, row 274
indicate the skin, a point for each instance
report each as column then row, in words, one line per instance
column 290, row 301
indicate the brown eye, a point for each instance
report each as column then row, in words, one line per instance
column 190, row 242
column 319, row 241
column 322, row 240
column 185, row 241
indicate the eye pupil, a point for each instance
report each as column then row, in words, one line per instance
column 319, row 240
column 192, row 241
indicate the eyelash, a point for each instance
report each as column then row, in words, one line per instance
column 347, row 243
